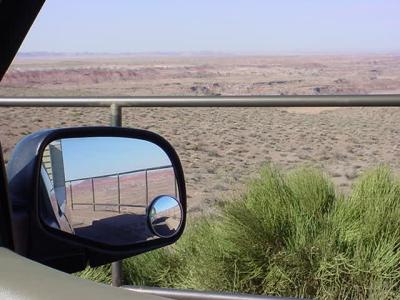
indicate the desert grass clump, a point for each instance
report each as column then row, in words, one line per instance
column 100, row 274
column 289, row 235
column 362, row 258
column 266, row 242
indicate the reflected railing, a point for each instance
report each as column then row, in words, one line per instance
column 89, row 183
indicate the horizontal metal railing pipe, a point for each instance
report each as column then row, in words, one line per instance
column 196, row 295
column 219, row 101
column 108, row 204
column 122, row 173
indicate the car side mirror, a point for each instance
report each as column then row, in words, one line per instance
column 94, row 195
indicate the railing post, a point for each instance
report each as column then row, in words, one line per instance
column 147, row 189
column 72, row 200
column 93, row 197
column 116, row 273
column 116, row 115
column 119, row 195
column 116, row 267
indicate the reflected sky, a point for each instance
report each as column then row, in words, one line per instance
column 97, row 156
column 165, row 203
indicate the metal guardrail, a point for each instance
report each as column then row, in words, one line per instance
column 117, row 175
column 221, row 101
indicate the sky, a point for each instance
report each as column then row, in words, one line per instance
column 233, row 26
column 89, row 157
column 165, row 203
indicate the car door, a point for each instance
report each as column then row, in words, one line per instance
column 6, row 239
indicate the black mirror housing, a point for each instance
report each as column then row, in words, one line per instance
column 58, row 249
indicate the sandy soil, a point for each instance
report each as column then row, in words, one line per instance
column 221, row 148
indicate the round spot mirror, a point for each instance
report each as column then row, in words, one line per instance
column 165, row 216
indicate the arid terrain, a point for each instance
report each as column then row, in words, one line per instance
column 203, row 75
column 221, row 148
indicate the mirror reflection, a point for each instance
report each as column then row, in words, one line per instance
column 101, row 188
column 165, row 216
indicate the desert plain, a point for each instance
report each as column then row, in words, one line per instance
column 223, row 148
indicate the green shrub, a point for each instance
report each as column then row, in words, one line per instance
column 289, row 235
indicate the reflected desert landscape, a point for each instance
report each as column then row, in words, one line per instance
column 88, row 202
column 222, row 148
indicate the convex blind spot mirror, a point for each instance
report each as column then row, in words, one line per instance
column 116, row 191
column 165, row 216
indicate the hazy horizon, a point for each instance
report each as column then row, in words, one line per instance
column 34, row 54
